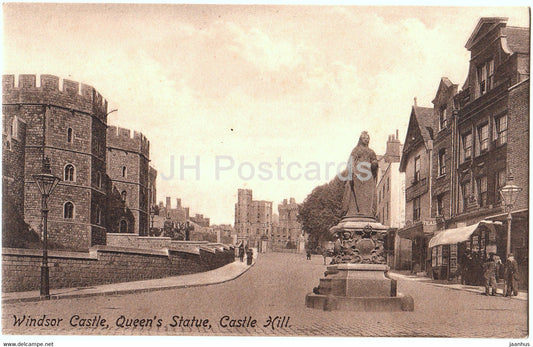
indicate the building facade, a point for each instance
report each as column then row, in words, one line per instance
column 416, row 163
column 476, row 140
column 253, row 218
column 289, row 231
column 179, row 214
column 201, row 220
column 491, row 138
column 391, row 203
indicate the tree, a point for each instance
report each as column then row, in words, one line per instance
column 321, row 210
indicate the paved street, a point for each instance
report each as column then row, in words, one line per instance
column 275, row 286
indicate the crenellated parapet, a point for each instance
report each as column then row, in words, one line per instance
column 71, row 95
column 121, row 138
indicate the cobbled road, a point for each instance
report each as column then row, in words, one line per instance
column 274, row 287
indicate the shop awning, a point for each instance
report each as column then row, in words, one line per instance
column 457, row 235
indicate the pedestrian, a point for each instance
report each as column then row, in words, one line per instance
column 241, row 253
column 325, row 255
column 489, row 275
column 511, row 276
column 308, row 254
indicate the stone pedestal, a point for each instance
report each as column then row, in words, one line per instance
column 358, row 280
column 358, row 287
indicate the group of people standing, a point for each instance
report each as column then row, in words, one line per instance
column 491, row 269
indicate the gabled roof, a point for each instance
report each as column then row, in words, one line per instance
column 484, row 26
column 420, row 126
column 517, row 39
column 444, row 85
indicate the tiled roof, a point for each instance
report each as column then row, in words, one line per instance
column 424, row 117
column 517, row 39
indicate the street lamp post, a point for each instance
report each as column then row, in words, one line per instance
column 152, row 215
column 46, row 183
column 509, row 193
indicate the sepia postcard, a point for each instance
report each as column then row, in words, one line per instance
column 172, row 172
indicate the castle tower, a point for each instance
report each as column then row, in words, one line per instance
column 128, row 164
column 68, row 125
column 242, row 212
column 289, row 228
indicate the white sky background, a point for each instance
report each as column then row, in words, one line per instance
column 295, row 82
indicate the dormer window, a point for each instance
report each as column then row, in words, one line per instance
column 442, row 118
column 485, row 77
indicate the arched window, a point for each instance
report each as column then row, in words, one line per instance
column 69, row 135
column 123, row 195
column 68, row 210
column 123, row 226
column 124, row 171
column 69, row 173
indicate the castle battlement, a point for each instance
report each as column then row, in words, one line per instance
column 51, row 90
column 128, row 140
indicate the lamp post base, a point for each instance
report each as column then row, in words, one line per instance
column 45, row 282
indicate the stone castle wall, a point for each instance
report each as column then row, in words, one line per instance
column 104, row 264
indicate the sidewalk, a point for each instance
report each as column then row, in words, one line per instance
column 455, row 286
column 223, row 274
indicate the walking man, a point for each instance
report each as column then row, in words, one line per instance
column 489, row 275
column 511, row 276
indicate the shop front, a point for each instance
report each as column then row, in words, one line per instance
column 419, row 235
column 460, row 253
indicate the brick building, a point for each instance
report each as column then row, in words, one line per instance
column 68, row 125
column 489, row 140
column 253, row 218
column 476, row 137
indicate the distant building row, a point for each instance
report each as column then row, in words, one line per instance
column 107, row 184
column 256, row 225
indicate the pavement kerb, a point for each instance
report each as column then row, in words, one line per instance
column 479, row 290
column 123, row 291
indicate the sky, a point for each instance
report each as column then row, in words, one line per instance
column 268, row 98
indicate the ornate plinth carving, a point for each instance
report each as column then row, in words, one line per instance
column 357, row 279
column 359, row 242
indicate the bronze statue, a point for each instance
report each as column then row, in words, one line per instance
column 360, row 195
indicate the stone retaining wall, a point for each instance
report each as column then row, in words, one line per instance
column 21, row 268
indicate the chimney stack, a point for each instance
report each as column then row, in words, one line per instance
column 393, row 152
